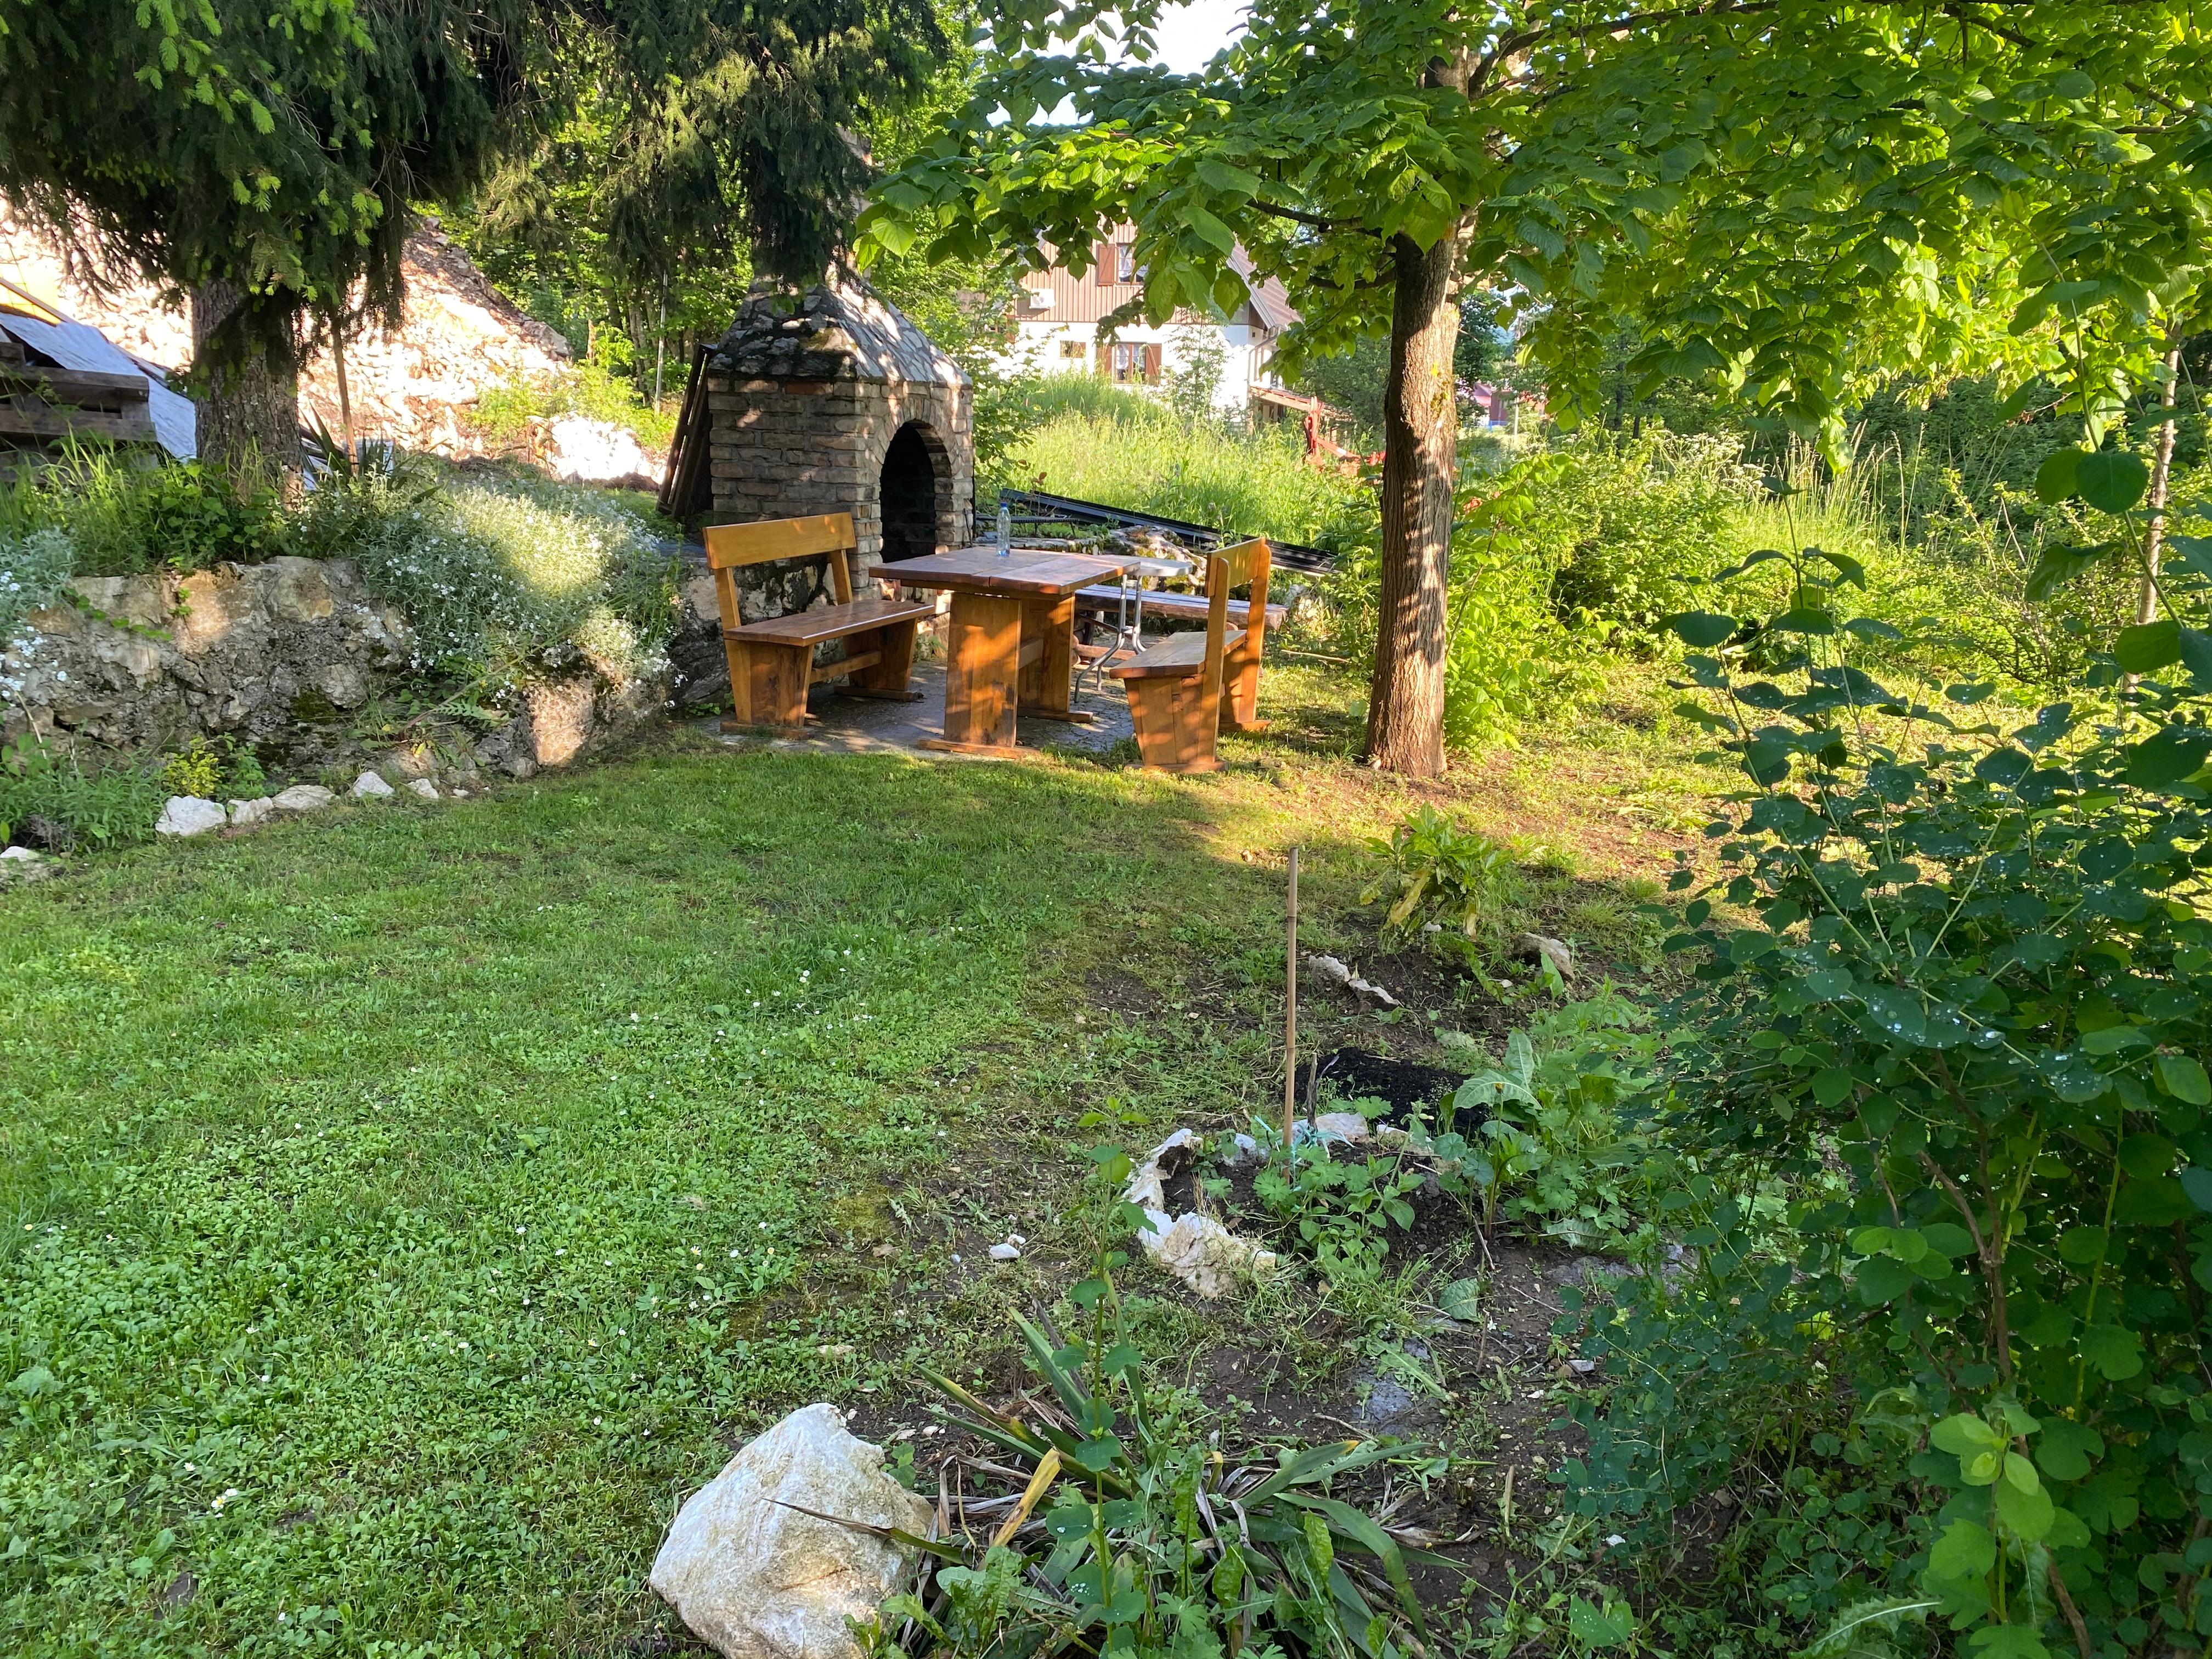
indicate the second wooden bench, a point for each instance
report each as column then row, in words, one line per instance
column 772, row 662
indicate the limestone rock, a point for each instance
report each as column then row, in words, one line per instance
column 369, row 786
column 302, row 797
column 244, row 814
column 345, row 685
column 1203, row 1254
column 21, row 864
column 756, row 1578
column 188, row 815
column 422, row 786
column 1196, row 1248
column 1535, row 947
column 1340, row 1126
column 1006, row 1253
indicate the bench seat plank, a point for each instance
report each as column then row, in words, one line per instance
column 1173, row 604
column 830, row 621
column 1178, row 657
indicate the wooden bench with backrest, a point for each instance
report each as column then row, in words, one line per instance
column 772, row 662
column 1185, row 688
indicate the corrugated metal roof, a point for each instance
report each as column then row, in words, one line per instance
column 72, row 345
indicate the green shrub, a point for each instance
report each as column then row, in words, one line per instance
column 212, row 768
column 125, row 516
column 107, row 806
column 1946, row 1069
column 1508, row 659
column 502, row 578
column 1628, row 524
column 1430, row 871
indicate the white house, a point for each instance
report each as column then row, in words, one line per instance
column 1056, row 327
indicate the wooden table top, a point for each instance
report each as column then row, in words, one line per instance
column 981, row 570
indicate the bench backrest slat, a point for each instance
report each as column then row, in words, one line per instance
column 1237, row 680
column 733, row 546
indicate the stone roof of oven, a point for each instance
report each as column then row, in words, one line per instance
column 841, row 328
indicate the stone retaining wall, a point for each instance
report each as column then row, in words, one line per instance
column 295, row 658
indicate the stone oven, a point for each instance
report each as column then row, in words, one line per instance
column 833, row 402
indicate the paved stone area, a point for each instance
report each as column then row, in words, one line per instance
column 862, row 726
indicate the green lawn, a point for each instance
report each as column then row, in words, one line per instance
column 406, row 1203
column 401, row 1209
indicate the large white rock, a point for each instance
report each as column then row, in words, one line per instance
column 188, row 815
column 422, row 786
column 302, row 797
column 244, row 814
column 369, row 786
column 756, row 1580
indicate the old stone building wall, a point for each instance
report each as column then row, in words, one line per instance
column 836, row 402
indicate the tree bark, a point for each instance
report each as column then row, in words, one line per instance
column 2161, row 476
column 249, row 393
column 1420, row 459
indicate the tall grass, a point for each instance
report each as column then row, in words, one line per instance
column 1954, row 582
column 125, row 515
column 1092, row 440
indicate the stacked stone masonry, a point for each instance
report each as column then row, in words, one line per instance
column 803, row 405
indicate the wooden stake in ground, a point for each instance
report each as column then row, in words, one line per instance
column 1291, row 1024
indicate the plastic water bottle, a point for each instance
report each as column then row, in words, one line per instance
column 1006, row 529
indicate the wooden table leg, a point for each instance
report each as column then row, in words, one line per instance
column 1048, row 683
column 983, row 674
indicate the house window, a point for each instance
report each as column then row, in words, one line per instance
column 1125, row 262
column 1132, row 362
column 1074, row 348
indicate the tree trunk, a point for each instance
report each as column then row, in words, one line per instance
column 249, row 393
column 2162, row 475
column 1420, row 426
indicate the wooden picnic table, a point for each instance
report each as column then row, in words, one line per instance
column 1009, row 644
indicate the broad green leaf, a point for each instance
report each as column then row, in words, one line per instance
column 2172, row 755
column 1948, row 1238
column 1608, row 1628
column 2148, row 646
column 2111, row 480
column 2026, row 1513
column 2065, row 1448
column 2055, row 479
column 2006, row 1641
column 1831, row 1086
column 2116, row 1352
column 1702, row 629
column 2195, row 650
column 2183, row 1077
column 2059, row 565
column 1964, row 1434
column 2198, row 1183
column 1804, row 620
column 1965, row 1550
column 2082, row 1245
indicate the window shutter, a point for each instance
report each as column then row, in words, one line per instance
column 1152, row 362
column 1106, row 270
column 1106, row 360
